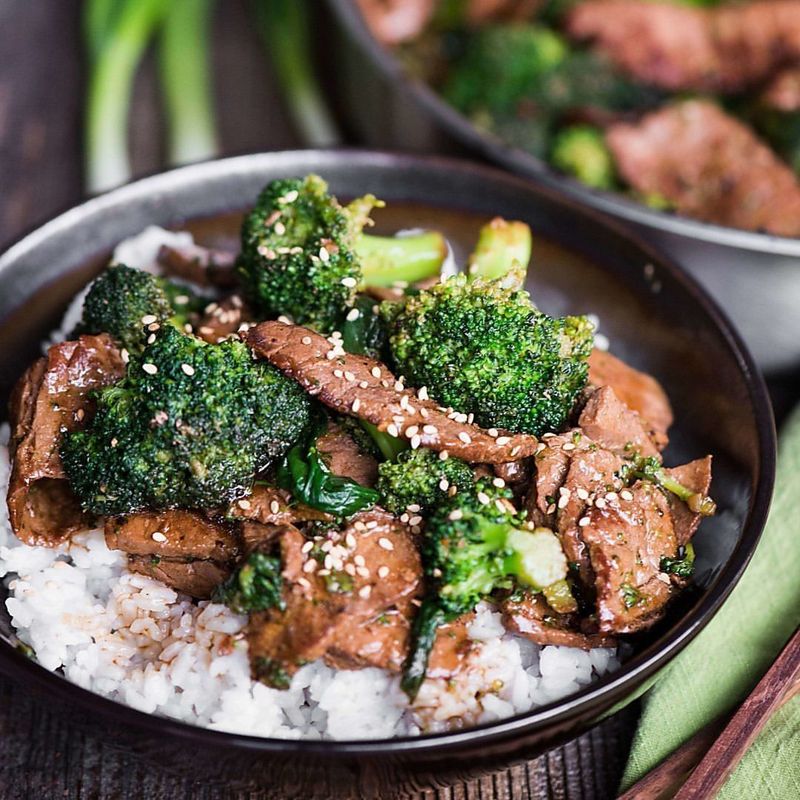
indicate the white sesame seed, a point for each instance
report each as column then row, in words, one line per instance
column 414, row 508
column 411, row 430
column 348, row 376
column 362, row 572
column 337, row 373
column 350, row 283
column 310, row 565
column 350, row 569
column 444, row 484
column 385, row 543
column 243, row 504
column 182, row 299
column 483, row 498
column 423, row 393
column 493, row 433
column 365, row 591
column 416, row 441
column 626, row 495
column 274, row 506
column 363, row 384
column 583, row 494
column 455, row 514
column 501, row 440
column 563, row 501
column 600, row 502
column 290, row 197
column 151, row 338
column 353, row 314
column 404, row 518
column 423, row 412
column 465, row 437
column 304, row 583
column 150, row 369
column 187, row 369
column 415, row 520
column 284, row 319
column 567, row 446
column 125, row 356
column 398, row 387
column 149, row 318
column 306, row 340
column 359, row 560
column 444, row 455
column 157, row 536
column 356, row 405
column 429, row 429
column 583, row 521
column 307, row 547
column 376, row 372
column 498, row 482
column 383, row 571
column 551, row 509
column 392, row 430
column 611, row 496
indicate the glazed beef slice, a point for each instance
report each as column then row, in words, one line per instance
column 50, row 398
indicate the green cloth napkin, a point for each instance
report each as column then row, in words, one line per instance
column 723, row 664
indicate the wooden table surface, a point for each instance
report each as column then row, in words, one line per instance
column 42, row 755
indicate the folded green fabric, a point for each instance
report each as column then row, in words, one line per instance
column 722, row 665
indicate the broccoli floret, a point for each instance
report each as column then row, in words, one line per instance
column 581, row 151
column 255, row 585
column 474, row 544
column 302, row 253
column 122, row 300
column 501, row 65
column 501, row 245
column 482, row 348
column 419, row 478
column 189, row 426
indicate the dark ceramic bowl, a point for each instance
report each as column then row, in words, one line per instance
column 655, row 316
column 754, row 276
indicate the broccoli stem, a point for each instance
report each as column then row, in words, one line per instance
column 284, row 27
column 649, row 469
column 501, row 245
column 423, row 637
column 115, row 40
column 387, row 260
column 390, row 446
column 186, row 81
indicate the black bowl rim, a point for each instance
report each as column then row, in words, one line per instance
column 527, row 165
column 560, row 713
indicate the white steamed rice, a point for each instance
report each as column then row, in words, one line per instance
column 135, row 640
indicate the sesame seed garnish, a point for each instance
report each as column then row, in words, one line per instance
column 611, row 496
column 423, row 412
column 567, row 446
column 383, row 571
column 363, row 385
column 365, row 591
column 626, row 495
column 411, row 430
column 306, row 340
column 290, row 197
column 274, row 506
column 551, row 509
column 415, row 520
column 429, row 429
column 356, row 405
column 498, row 482
column 483, row 498
column 583, row 494
column 359, row 560
column 310, row 565
column 187, row 369
column 423, row 393
column 337, row 373
column 493, row 433
column 444, row 484
column 182, row 299
column 362, row 572
column 404, row 518
column 243, row 504
column 307, row 547
column 376, row 372
column 398, row 387
column 304, row 583
column 150, row 369
column 416, row 441
column 392, row 430
column 151, row 338
column 385, row 543
column 125, row 355
column 501, row 440
column 583, row 522
column 444, row 455
column 353, row 314
column 563, row 501
column 372, row 524
column 325, row 256
column 284, row 319
column 350, row 283
column 455, row 514
column 148, row 318
column 157, row 536
column 350, row 540
column 600, row 502
column 465, row 437
column 348, row 376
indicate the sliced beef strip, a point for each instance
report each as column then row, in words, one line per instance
column 221, row 319
column 452, row 648
column 515, row 473
column 200, row 265
column 344, row 457
column 782, row 93
column 359, row 386
column 270, row 505
column 606, row 420
column 639, row 391
column 680, row 48
column 709, row 166
column 185, row 549
column 317, row 619
column 627, row 538
column 198, row 579
column 695, row 475
column 591, row 474
column 531, row 617
column 50, row 399
column 551, row 463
